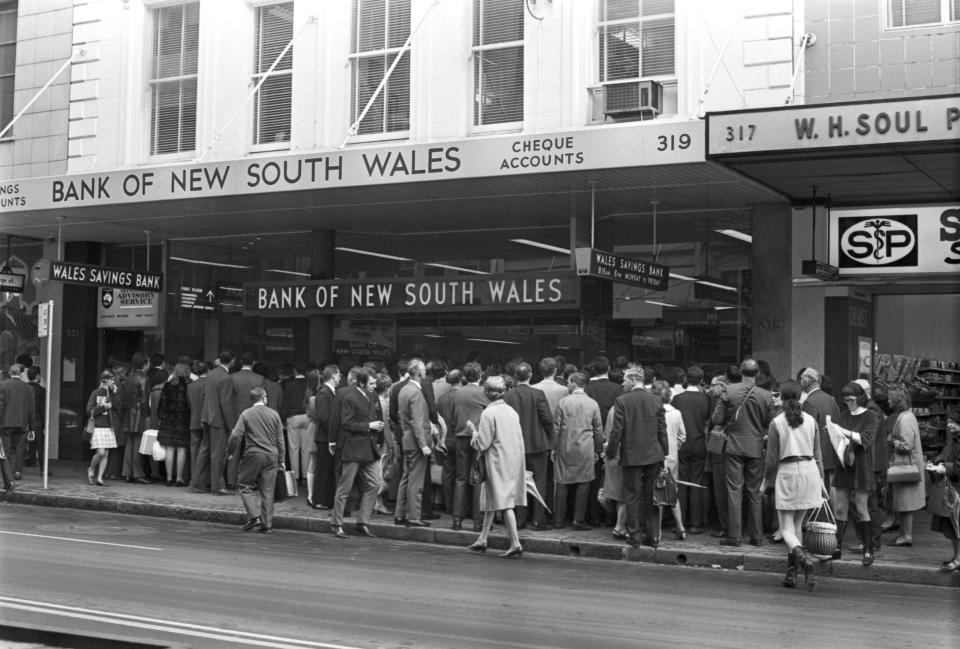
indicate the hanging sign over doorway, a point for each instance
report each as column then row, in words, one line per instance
column 88, row 275
column 606, row 265
column 11, row 282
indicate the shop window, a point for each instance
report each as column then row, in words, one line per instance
column 913, row 13
column 636, row 39
column 8, row 60
column 380, row 29
column 173, row 79
column 272, row 103
column 497, row 53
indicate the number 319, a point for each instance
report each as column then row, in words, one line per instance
column 672, row 142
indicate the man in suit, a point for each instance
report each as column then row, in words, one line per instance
column 536, row 422
column 300, row 443
column 746, row 410
column 639, row 436
column 445, row 405
column 241, row 382
column 694, row 407
column 199, row 435
column 17, row 418
column 605, row 392
column 36, row 447
column 468, row 404
column 426, row 388
column 820, row 405
column 218, row 415
column 322, row 494
column 358, row 442
column 417, row 445
column 549, row 386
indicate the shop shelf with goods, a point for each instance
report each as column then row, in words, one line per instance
column 944, row 379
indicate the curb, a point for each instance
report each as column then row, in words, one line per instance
column 565, row 546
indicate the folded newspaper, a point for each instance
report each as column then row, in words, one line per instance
column 838, row 438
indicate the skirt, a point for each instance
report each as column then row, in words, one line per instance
column 798, row 486
column 103, row 438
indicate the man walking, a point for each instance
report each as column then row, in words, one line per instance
column 260, row 433
column 639, row 436
column 746, row 410
column 536, row 421
column 321, row 493
column 17, row 418
column 417, row 445
column 358, row 443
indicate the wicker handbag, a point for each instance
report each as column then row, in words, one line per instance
column 820, row 531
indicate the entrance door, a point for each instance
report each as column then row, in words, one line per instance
column 120, row 344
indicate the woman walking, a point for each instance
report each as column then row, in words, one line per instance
column 854, row 480
column 173, row 433
column 676, row 436
column 102, row 407
column 946, row 466
column 794, row 472
column 907, row 497
column 500, row 439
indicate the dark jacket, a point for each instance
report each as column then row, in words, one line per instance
column 218, row 399
column 195, row 400
column 536, row 420
column 174, row 414
column 16, row 405
column 322, row 404
column 745, row 431
column 819, row 405
column 695, row 409
column 240, row 385
column 274, row 397
column 294, row 392
column 605, row 392
column 639, row 433
column 357, row 443
column 468, row 404
column 104, row 416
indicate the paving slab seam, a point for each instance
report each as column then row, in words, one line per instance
column 746, row 560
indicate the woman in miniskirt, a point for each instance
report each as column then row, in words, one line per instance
column 102, row 407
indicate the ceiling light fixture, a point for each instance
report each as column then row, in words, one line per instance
column 723, row 287
column 681, row 277
column 736, row 234
column 459, row 268
column 723, row 308
column 370, row 253
column 287, row 272
column 544, row 246
column 491, row 340
column 208, row 263
column 659, row 303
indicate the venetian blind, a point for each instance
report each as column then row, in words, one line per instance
column 636, row 39
column 904, row 13
column 498, row 61
column 272, row 104
column 176, row 37
column 8, row 60
column 380, row 28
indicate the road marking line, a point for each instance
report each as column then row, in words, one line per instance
column 64, row 538
column 167, row 626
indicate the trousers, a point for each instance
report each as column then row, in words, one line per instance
column 638, row 488
column 743, row 476
column 369, row 486
column 410, row 492
column 582, row 492
column 537, row 463
column 693, row 501
column 218, row 457
column 299, row 444
column 200, row 456
column 256, row 479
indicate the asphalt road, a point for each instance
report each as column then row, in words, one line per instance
column 206, row 585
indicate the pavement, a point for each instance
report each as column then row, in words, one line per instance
column 67, row 487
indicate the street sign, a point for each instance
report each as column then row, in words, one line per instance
column 606, row 265
column 103, row 276
column 43, row 320
column 11, row 282
column 197, row 298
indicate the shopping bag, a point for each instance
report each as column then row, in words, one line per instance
column 280, row 492
column 147, row 440
column 158, row 452
column 291, row 483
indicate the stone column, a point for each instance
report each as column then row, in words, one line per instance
column 772, row 286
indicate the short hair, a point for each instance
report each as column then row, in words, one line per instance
column 662, row 390
column 104, row 375
column 676, row 375
column 247, row 358
column 694, row 375
column 225, row 357
column 157, row 358
column 811, row 374
column 16, row 369
column 749, row 367
column 494, row 387
column 437, row 369
column 523, row 371
column 600, row 365
column 33, row 372
column 899, row 399
column 633, row 374
column 138, row 360
column 257, row 395
column 577, row 380
column 329, row 372
column 454, row 377
column 383, row 382
column 24, row 359
column 285, row 369
column 548, row 366
column 416, row 366
column 363, row 377
column 198, row 367
column 472, row 372
column 854, row 389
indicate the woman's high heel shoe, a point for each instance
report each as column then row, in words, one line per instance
column 513, row 552
column 479, row 547
column 680, row 535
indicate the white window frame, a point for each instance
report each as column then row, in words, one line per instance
column 255, row 79
column 388, row 54
column 152, row 82
column 640, row 19
column 946, row 7
column 12, row 75
column 477, row 51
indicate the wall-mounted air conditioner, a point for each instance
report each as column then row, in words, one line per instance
column 632, row 98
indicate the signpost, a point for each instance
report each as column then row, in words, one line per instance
column 606, row 265
column 44, row 326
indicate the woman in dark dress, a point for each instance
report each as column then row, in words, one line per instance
column 854, row 481
column 173, row 433
column 946, row 466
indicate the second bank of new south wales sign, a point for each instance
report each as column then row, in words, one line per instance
column 628, row 145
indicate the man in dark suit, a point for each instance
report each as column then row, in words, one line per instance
column 536, row 421
column 639, row 436
column 694, row 406
column 199, row 436
column 746, row 410
column 324, row 480
column 358, row 442
column 605, row 392
column 468, row 404
column 820, row 405
column 242, row 382
column 17, row 418
column 218, row 412
column 35, row 449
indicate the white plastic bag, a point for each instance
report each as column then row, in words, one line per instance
column 159, row 453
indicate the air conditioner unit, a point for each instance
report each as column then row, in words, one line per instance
column 632, row 98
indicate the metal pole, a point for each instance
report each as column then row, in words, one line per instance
column 48, row 406
column 806, row 41
column 39, row 92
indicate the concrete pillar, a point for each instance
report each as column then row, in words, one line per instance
column 320, row 336
column 772, row 286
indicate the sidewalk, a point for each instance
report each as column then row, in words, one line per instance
column 68, row 487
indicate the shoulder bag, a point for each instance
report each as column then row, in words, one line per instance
column 717, row 438
column 88, row 430
column 478, row 472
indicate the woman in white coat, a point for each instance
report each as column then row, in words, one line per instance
column 500, row 439
column 907, row 497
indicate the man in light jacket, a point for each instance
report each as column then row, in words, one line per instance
column 417, row 445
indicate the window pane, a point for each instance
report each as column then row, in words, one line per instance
column 651, row 7
column 8, row 58
column 922, row 12
column 657, row 54
column 399, row 23
column 272, row 110
column 188, row 115
column 498, row 91
column 619, row 9
column 369, row 73
column 191, row 38
column 501, row 21
column 274, row 32
column 371, row 24
column 622, row 45
column 398, row 96
column 6, row 102
column 8, row 22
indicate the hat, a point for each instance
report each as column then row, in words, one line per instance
column 865, row 384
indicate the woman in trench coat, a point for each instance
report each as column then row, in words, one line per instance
column 500, row 439
column 908, row 497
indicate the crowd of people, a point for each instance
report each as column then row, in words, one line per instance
column 576, row 449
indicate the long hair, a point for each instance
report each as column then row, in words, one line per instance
column 790, row 395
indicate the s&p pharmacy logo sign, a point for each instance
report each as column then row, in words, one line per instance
column 878, row 241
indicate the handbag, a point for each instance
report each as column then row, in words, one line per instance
column 903, row 473
column 280, row 492
column 290, row 481
column 478, row 471
column 665, row 489
column 944, row 501
column 88, row 430
column 717, row 440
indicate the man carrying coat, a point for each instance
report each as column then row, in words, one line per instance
column 639, row 435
